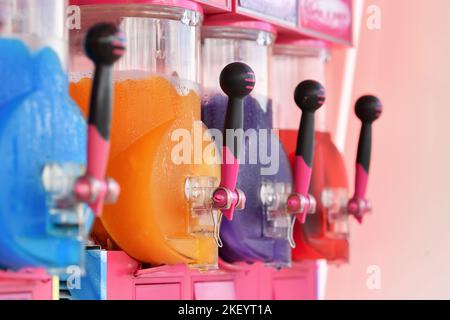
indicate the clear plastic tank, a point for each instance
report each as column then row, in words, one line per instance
column 249, row 42
column 305, row 60
column 38, row 23
column 44, row 135
column 261, row 231
column 163, row 215
column 325, row 233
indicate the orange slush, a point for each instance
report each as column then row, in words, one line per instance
column 151, row 218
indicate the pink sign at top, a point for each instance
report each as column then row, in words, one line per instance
column 281, row 12
column 215, row 6
column 327, row 19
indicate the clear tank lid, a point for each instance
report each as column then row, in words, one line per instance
column 227, row 27
column 302, row 47
column 185, row 4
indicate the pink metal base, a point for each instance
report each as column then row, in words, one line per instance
column 28, row 284
column 127, row 281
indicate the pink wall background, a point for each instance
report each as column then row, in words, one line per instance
column 406, row 63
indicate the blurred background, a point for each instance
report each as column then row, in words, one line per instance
column 407, row 64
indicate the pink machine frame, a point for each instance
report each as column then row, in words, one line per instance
column 126, row 280
column 29, row 284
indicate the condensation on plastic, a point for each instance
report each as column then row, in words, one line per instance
column 223, row 45
column 159, row 40
column 39, row 125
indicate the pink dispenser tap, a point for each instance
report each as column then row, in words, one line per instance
column 104, row 45
column 237, row 81
column 309, row 97
column 368, row 109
